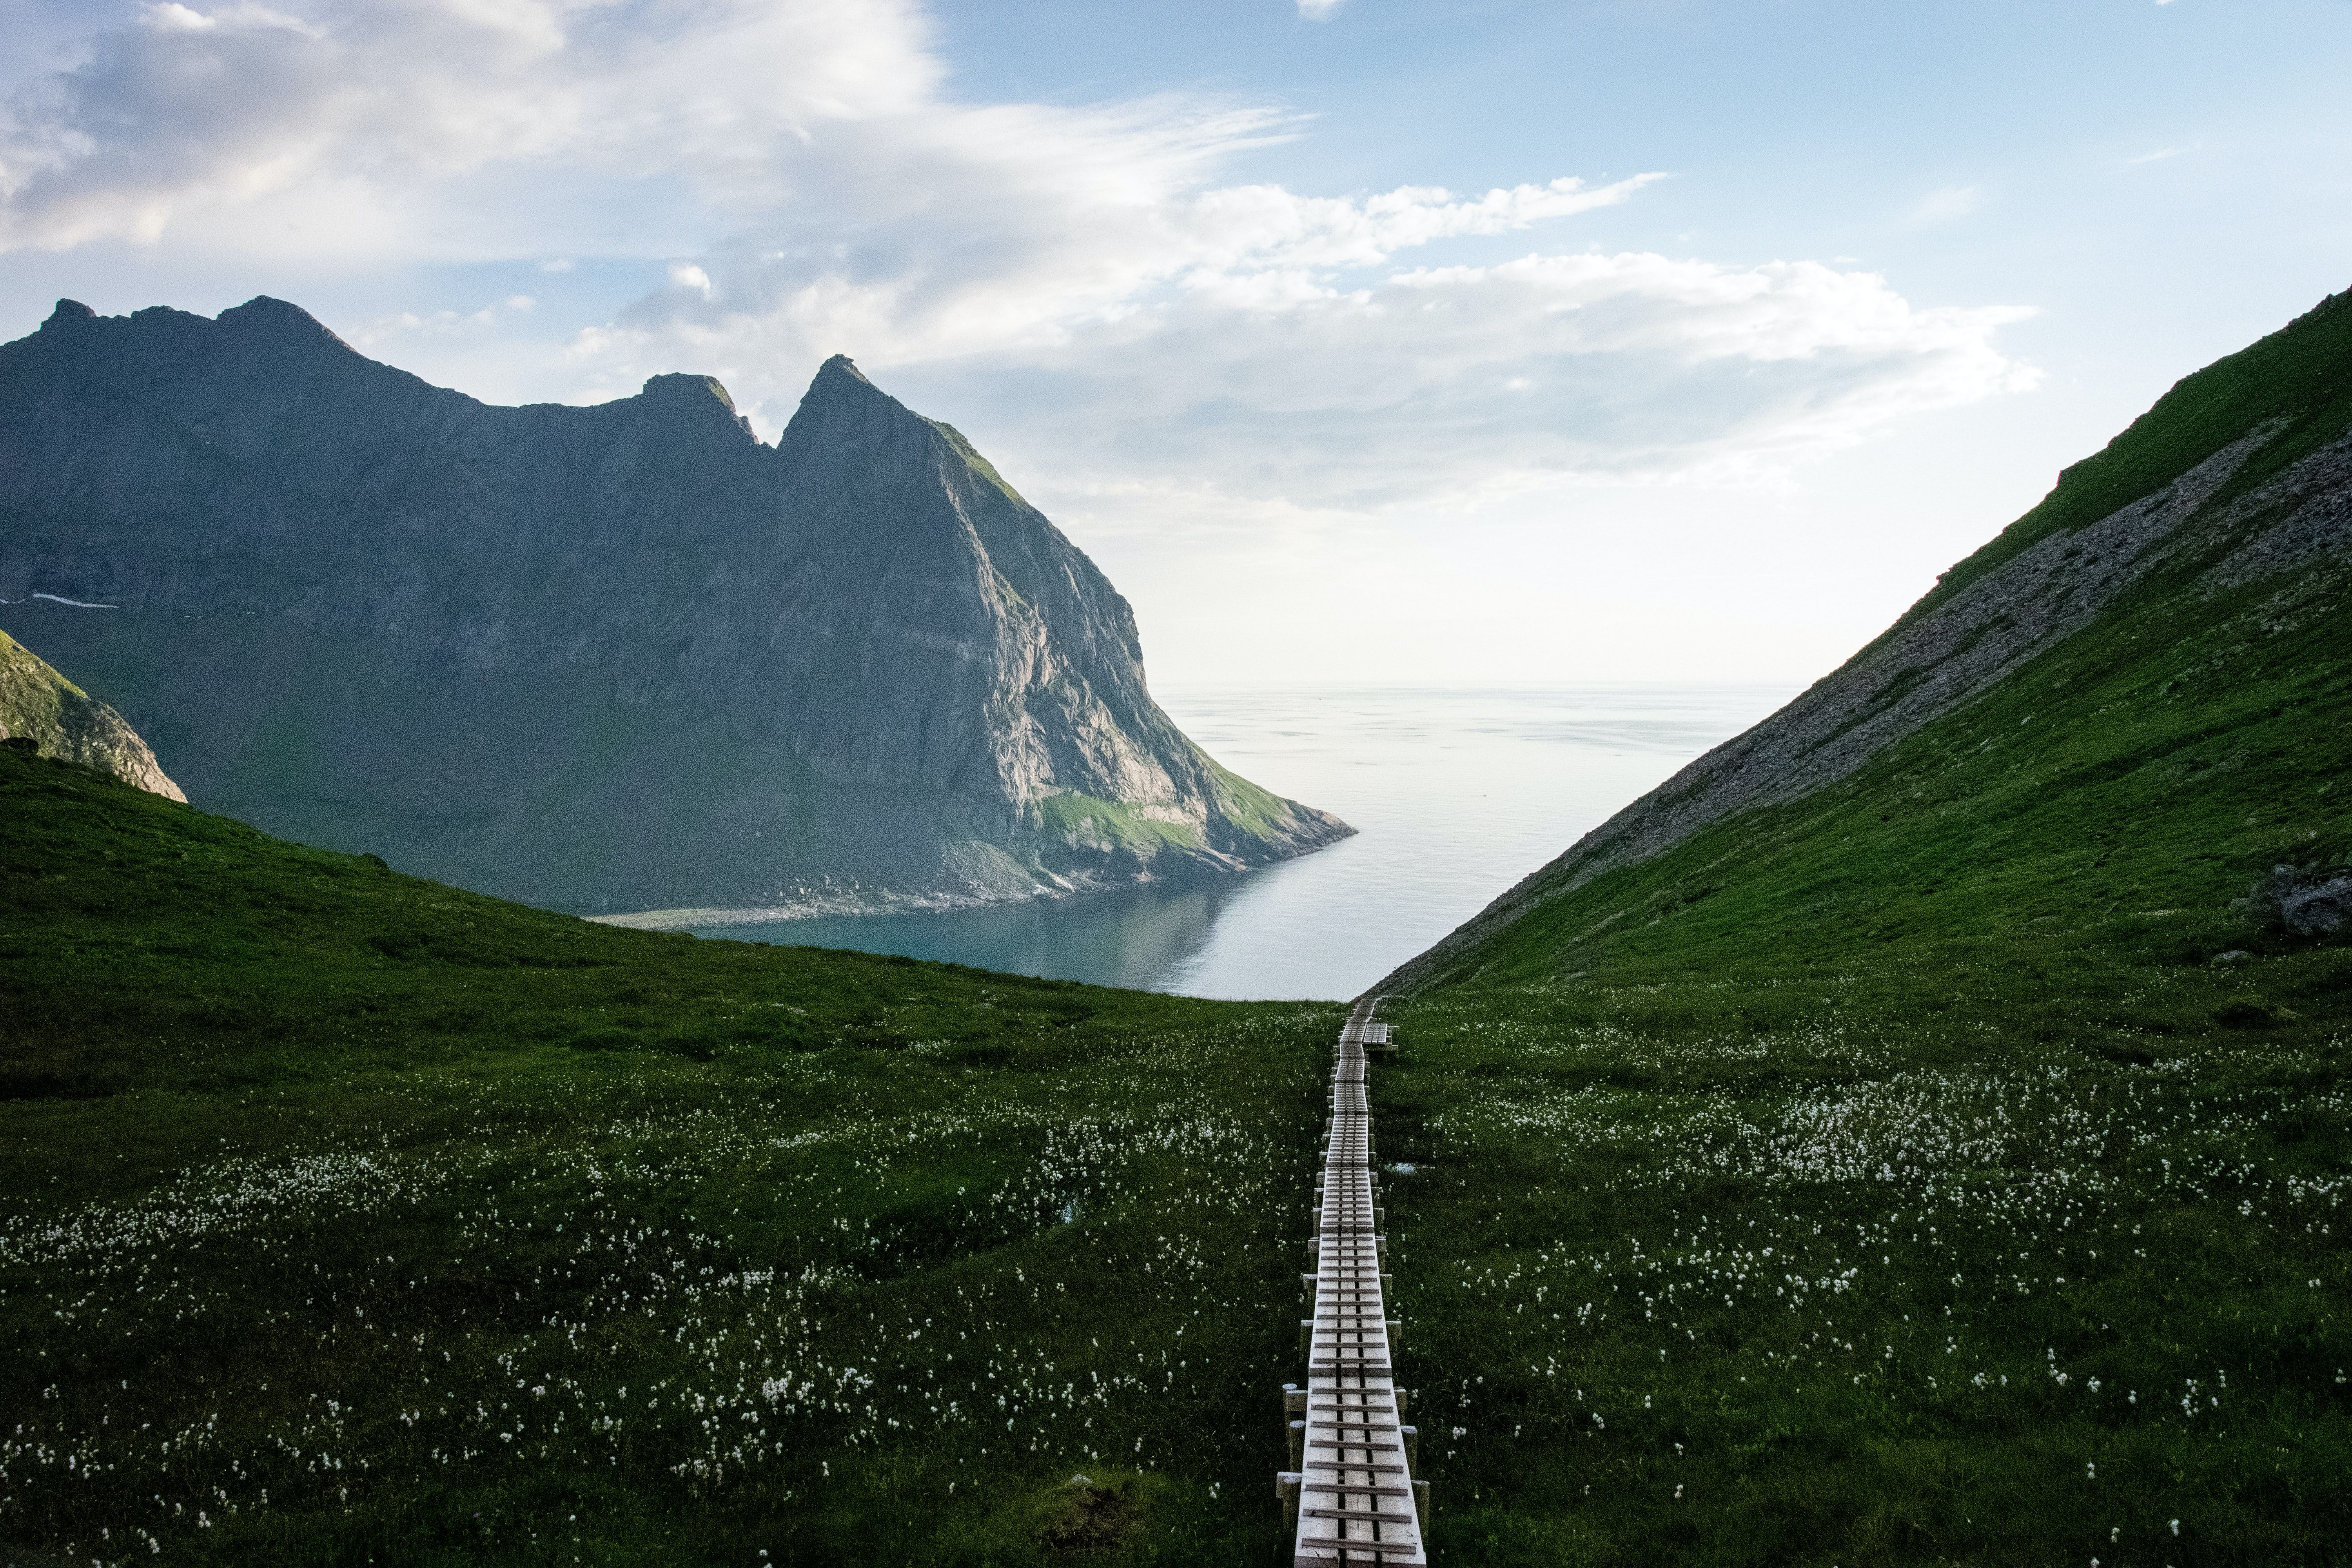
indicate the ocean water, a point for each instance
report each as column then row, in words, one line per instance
column 1456, row 795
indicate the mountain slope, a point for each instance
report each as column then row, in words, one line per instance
column 1918, row 1133
column 39, row 705
column 2175, row 609
column 608, row 658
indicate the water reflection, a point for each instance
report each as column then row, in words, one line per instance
column 1456, row 795
column 1135, row 938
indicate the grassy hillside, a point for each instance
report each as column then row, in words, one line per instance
column 355, row 1218
column 1948, row 1165
column 2299, row 378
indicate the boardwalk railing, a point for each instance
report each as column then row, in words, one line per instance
column 1351, row 1496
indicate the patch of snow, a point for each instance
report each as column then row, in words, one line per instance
column 77, row 603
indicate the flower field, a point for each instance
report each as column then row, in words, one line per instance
column 551, row 1243
column 1859, row 1299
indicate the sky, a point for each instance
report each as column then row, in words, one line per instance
column 1360, row 342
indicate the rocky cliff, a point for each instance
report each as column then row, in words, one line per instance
column 58, row 718
column 623, row 658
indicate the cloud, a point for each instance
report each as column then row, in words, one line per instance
column 1446, row 387
column 1324, row 10
column 433, row 127
column 1076, row 280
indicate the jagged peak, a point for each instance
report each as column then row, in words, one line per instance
column 839, row 390
column 676, row 382
column 280, row 319
column 69, row 314
column 839, row 381
column 839, row 364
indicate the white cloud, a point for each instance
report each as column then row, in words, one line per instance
column 1324, row 10
column 439, row 128
column 1158, row 345
column 1447, row 387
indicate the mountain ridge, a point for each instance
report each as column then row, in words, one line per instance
column 618, row 658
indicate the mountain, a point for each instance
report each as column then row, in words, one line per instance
column 2164, row 642
column 60, row 720
column 623, row 658
column 1917, row 1133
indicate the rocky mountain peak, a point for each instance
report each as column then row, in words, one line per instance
column 849, row 434
column 602, row 659
column 68, row 314
column 696, row 397
column 836, row 366
column 689, row 388
column 264, row 319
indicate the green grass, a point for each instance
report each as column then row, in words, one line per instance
column 2299, row 378
column 978, row 464
column 1108, row 824
column 355, row 1217
column 1253, row 810
column 1944, row 1166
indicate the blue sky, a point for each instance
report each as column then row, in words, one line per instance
column 1460, row 343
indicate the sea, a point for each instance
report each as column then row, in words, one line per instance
column 1456, row 795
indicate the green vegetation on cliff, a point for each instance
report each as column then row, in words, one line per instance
column 2298, row 381
column 60, row 720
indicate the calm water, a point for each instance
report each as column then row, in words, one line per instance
column 1456, row 795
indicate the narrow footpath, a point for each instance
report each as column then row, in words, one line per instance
column 1351, row 1496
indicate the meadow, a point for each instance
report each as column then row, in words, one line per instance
column 1756, row 1272
column 355, row 1219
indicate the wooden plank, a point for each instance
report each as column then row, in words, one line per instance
column 1353, row 1448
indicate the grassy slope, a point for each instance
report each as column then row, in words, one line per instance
column 1895, row 1175
column 354, row 1217
column 2300, row 376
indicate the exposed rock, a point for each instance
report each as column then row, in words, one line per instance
column 2308, row 902
column 42, row 711
column 607, row 658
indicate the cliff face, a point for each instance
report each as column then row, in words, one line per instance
column 2241, row 476
column 61, row 719
column 610, row 659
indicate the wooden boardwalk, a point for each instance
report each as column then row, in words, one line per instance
column 1350, row 1495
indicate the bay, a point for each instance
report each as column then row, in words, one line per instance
column 1455, row 795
